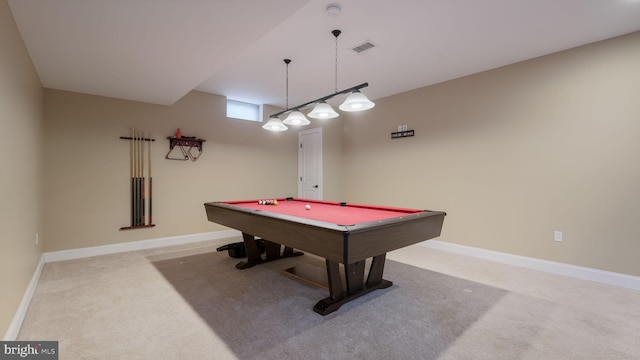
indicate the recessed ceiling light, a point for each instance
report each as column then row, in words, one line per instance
column 334, row 9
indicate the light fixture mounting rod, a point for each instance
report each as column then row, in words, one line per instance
column 287, row 61
column 336, row 33
column 351, row 89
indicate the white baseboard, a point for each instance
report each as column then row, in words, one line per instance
column 16, row 323
column 136, row 245
column 579, row 272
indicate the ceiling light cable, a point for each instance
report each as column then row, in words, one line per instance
column 295, row 117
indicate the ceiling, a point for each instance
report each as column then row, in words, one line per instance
column 157, row 51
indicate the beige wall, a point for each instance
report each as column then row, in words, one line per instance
column 515, row 153
column 87, row 187
column 20, row 167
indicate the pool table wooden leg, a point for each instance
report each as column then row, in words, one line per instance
column 356, row 287
column 272, row 252
column 376, row 270
column 354, row 274
column 253, row 254
column 336, row 290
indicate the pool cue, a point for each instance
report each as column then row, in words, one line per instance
column 133, row 181
column 138, row 187
column 139, row 179
column 136, row 204
column 142, row 180
column 150, row 184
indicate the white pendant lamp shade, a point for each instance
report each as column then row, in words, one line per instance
column 323, row 111
column 274, row 124
column 356, row 101
column 296, row 118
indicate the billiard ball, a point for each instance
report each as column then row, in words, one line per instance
column 308, row 207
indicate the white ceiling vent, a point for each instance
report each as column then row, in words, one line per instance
column 364, row 47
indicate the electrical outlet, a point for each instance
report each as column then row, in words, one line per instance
column 557, row 235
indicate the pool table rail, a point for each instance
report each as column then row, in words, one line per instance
column 308, row 235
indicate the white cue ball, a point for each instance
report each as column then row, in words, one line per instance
column 308, row 207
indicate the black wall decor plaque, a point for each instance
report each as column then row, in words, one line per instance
column 401, row 134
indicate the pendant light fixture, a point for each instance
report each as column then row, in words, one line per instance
column 324, row 110
column 295, row 118
column 356, row 101
column 274, row 123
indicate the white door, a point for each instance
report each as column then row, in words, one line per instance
column 310, row 164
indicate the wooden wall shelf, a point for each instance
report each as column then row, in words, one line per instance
column 187, row 146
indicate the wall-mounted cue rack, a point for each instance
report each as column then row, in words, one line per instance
column 141, row 180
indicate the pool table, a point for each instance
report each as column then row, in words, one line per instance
column 341, row 233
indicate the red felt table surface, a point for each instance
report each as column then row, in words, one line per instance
column 327, row 211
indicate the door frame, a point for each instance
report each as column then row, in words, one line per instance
column 301, row 160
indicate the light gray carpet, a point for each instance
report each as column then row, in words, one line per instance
column 189, row 302
column 260, row 314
